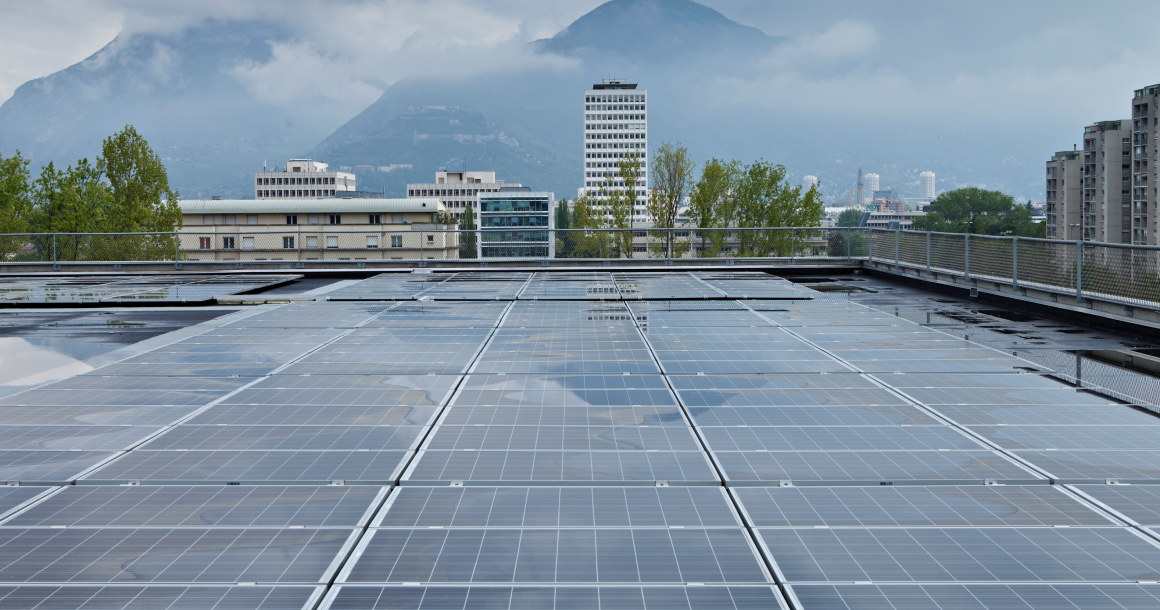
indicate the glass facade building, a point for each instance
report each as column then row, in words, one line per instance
column 516, row 224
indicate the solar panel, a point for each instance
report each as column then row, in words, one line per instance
column 572, row 439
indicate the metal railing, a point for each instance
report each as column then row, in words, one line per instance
column 1127, row 274
column 321, row 243
column 1120, row 273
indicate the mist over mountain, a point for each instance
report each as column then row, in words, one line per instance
column 207, row 100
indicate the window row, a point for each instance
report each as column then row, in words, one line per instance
column 294, row 181
column 295, row 193
column 312, row 242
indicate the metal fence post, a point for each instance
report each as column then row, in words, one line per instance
column 1078, row 271
column 421, row 257
column 896, row 234
column 176, row 247
column 928, row 254
column 967, row 257
column 869, row 244
column 54, row 248
column 848, row 233
column 1015, row 263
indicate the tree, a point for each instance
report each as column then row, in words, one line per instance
column 142, row 199
column 618, row 197
column 467, row 236
column 975, row 210
column 15, row 203
column 711, row 203
column 563, row 223
column 74, row 201
column 766, row 199
column 672, row 174
column 587, row 213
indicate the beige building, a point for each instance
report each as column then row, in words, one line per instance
column 316, row 229
column 301, row 178
column 457, row 190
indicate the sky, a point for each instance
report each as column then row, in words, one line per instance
column 1037, row 68
column 1013, row 61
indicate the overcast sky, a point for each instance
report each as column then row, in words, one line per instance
column 983, row 60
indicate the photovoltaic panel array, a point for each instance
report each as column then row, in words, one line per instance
column 152, row 289
column 575, row 440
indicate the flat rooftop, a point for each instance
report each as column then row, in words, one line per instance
column 577, row 440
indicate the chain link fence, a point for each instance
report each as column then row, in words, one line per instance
column 1119, row 273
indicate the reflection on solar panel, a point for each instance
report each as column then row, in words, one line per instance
column 153, row 289
column 575, row 440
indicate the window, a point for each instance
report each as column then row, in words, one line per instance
column 288, row 243
column 207, row 219
column 430, row 239
column 375, row 219
column 372, row 241
column 247, row 243
column 251, row 219
column 396, row 241
column 291, row 219
column 231, row 219
column 336, row 219
column 204, row 243
column 331, row 241
column 312, row 219
column 311, row 242
column 228, row 243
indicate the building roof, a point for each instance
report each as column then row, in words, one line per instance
column 312, row 205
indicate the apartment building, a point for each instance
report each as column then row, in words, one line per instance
column 315, row 229
column 301, row 178
column 615, row 126
column 457, row 190
column 870, row 185
column 516, row 222
column 1145, row 130
column 1106, row 197
column 1064, row 195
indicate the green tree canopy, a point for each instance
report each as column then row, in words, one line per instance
column 976, row 210
column 142, row 199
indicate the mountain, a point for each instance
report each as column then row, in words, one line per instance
column 527, row 126
column 715, row 86
column 655, row 29
column 180, row 92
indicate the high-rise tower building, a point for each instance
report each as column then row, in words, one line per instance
column 808, row 181
column 871, row 181
column 926, row 186
column 615, row 126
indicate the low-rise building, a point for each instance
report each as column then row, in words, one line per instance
column 316, row 229
column 457, row 190
column 299, row 179
column 893, row 220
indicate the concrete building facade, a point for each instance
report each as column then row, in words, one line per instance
column 1064, row 195
column 615, row 126
column 301, row 178
column 315, row 229
column 1107, row 182
column 457, row 190
column 1145, row 198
